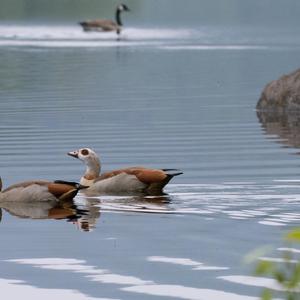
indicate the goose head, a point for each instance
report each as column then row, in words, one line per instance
column 92, row 162
column 122, row 7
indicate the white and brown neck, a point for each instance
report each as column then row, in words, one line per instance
column 92, row 171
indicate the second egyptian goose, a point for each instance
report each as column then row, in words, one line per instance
column 39, row 191
column 128, row 180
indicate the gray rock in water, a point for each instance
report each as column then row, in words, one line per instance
column 282, row 94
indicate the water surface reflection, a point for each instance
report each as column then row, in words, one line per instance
column 84, row 211
column 263, row 203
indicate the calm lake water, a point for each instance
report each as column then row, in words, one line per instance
column 169, row 94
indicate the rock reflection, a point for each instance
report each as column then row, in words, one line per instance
column 285, row 125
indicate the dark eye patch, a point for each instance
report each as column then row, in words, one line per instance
column 84, row 151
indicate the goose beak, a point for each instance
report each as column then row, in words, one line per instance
column 73, row 154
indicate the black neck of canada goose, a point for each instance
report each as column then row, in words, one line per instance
column 0, row 184
column 118, row 17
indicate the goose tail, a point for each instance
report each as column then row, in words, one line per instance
column 172, row 172
column 156, row 188
column 76, row 185
column 68, row 196
column 72, row 193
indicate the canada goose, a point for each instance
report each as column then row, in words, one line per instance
column 39, row 190
column 129, row 180
column 106, row 25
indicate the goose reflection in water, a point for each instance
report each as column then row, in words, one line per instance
column 131, row 203
column 84, row 211
column 286, row 125
column 61, row 210
column 91, row 206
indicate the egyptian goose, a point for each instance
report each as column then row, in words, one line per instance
column 129, row 180
column 106, row 25
column 39, row 190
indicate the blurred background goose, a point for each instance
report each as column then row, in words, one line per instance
column 106, row 25
column 129, row 180
column 39, row 190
